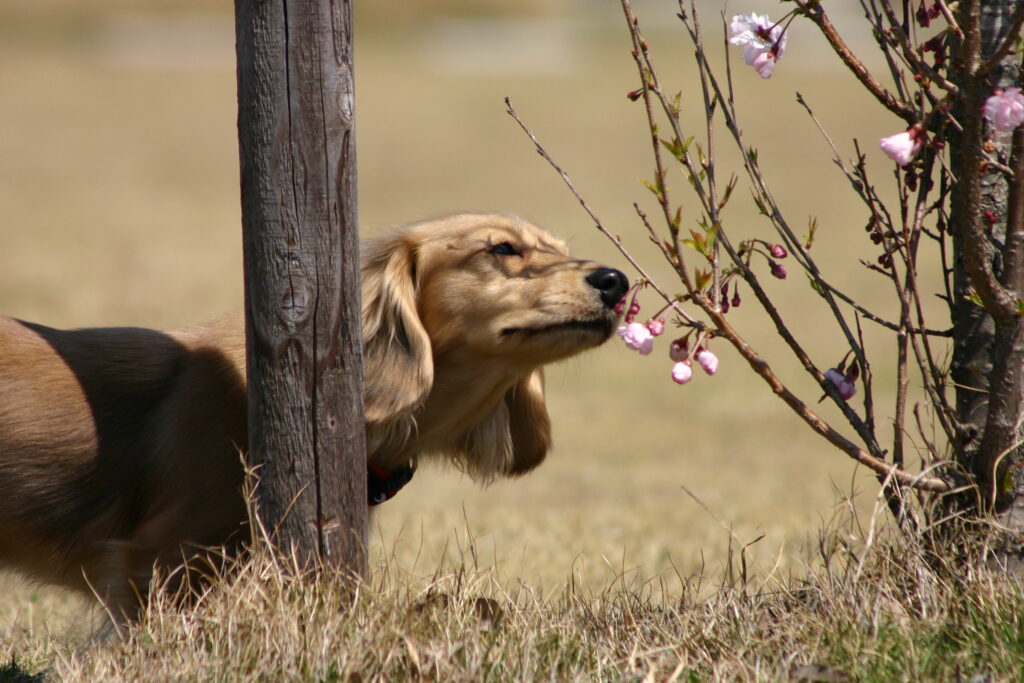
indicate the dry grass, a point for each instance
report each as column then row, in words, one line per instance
column 888, row 608
column 119, row 188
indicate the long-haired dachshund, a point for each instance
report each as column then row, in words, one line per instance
column 119, row 447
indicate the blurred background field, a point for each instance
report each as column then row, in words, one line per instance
column 119, row 206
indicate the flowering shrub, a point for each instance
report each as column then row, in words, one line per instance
column 954, row 83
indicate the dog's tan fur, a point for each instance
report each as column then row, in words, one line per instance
column 119, row 447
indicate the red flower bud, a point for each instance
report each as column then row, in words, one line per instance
column 923, row 16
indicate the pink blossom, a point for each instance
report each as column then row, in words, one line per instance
column 682, row 373
column 637, row 337
column 679, row 351
column 844, row 385
column 708, row 361
column 656, row 326
column 777, row 250
column 1005, row 109
column 763, row 41
column 763, row 62
column 902, row 147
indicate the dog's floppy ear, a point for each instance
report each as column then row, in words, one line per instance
column 399, row 369
column 529, row 425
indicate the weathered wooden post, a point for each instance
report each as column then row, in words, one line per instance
column 304, row 351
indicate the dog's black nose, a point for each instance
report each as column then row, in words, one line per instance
column 611, row 283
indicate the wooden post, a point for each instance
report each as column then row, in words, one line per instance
column 303, row 327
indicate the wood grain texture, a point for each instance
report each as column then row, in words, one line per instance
column 297, row 154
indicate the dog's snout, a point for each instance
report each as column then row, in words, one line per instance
column 611, row 283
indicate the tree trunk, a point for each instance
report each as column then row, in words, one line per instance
column 987, row 353
column 304, row 339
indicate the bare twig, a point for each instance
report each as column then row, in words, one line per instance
column 704, row 185
column 948, row 16
column 816, row 13
column 911, row 58
column 615, row 239
column 820, row 426
column 785, row 232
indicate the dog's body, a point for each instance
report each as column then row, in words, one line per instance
column 119, row 447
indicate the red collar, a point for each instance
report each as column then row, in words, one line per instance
column 382, row 484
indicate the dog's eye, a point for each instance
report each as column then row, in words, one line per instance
column 504, row 249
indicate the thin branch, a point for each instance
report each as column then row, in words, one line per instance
column 948, row 16
column 874, row 18
column 858, row 187
column 615, row 239
column 933, row 382
column 786, row 233
column 758, row 364
column 709, row 166
column 911, row 58
column 816, row 13
column 820, row 426
column 870, row 458
column 640, row 57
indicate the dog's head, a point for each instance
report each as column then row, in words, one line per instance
column 479, row 298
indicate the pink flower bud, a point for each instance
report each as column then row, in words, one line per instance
column 708, row 361
column 902, row 147
column 679, row 351
column 621, row 306
column 778, row 270
column 845, row 386
column 1005, row 109
column 777, row 250
column 656, row 326
column 736, row 301
column 682, row 373
column 634, row 308
column 847, row 389
column 637, row 337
